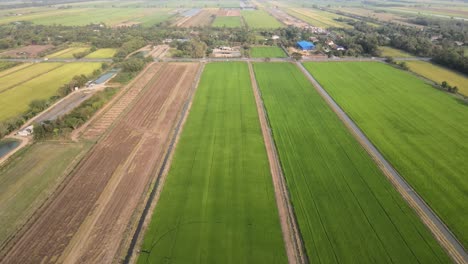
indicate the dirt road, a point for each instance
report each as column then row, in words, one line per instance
column 294, row 246
column 87, row 220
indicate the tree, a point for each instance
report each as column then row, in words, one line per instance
column 296, row 56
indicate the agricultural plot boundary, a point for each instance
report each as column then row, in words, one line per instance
column 440, row 231
column 158, row 184
column 293, row 242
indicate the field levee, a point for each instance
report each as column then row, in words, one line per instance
column 347, row 210
column 86, row 221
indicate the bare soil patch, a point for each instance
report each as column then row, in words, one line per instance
column 31, row 51
column 87, row 220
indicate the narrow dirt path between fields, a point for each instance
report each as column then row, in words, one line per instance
column 158, row 184
column 440, row 231
column 294, row 246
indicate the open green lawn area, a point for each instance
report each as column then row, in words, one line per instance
column 419, row 129
column 260, row 19
column 102, row 54
column 218, row 203
column 68, row 52
column 16, row 100
column 267, row 52
column 29, row 177
column 227, row 21
column 392, row 52
column 25, row 74
column 347, row 210
column 439, row 74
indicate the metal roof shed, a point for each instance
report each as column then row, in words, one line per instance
column 305, row 45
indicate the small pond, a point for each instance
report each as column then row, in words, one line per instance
column 8, row 145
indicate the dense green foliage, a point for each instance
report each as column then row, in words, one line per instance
column 347, row 210
column 420, row 130
column 267, row 52
column 218, row 203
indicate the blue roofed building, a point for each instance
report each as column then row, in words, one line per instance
column 305, row 45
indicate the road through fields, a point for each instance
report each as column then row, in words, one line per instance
column 291, row 235
column 87, row 220
column 430, row 219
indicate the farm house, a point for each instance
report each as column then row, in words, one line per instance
column 305, row 45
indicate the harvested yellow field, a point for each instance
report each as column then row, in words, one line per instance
column 317, row 18
column 439, row 74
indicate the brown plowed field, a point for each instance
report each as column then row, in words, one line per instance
column 87, row 220
column 100, row 125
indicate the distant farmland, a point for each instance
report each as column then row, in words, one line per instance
column 84, row 16
column 347, row 210
column 29, row 179
column 16, row 99
column 227, row 21
column 102, row 54
column 267, row 52
column 317, row 18
column 260, row 19
column 418, row 128
column 68, row 53
column 218, row 203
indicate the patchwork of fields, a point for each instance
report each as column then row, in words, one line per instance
column 347, row 210
column 218, row 203
column 102, row 54
column 39, row 81
column 419, row 129
column 267, row 52
column 88, row 219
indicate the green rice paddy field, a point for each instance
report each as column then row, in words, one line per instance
column 347, row 210
column 227, row 21
column 17, row 77
column 267, row 52
column 16, row 99
column 68, row 52
column 102, row 54
column 28, row 179
column 260, row 19
column 419, row 129
column 218, row 203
